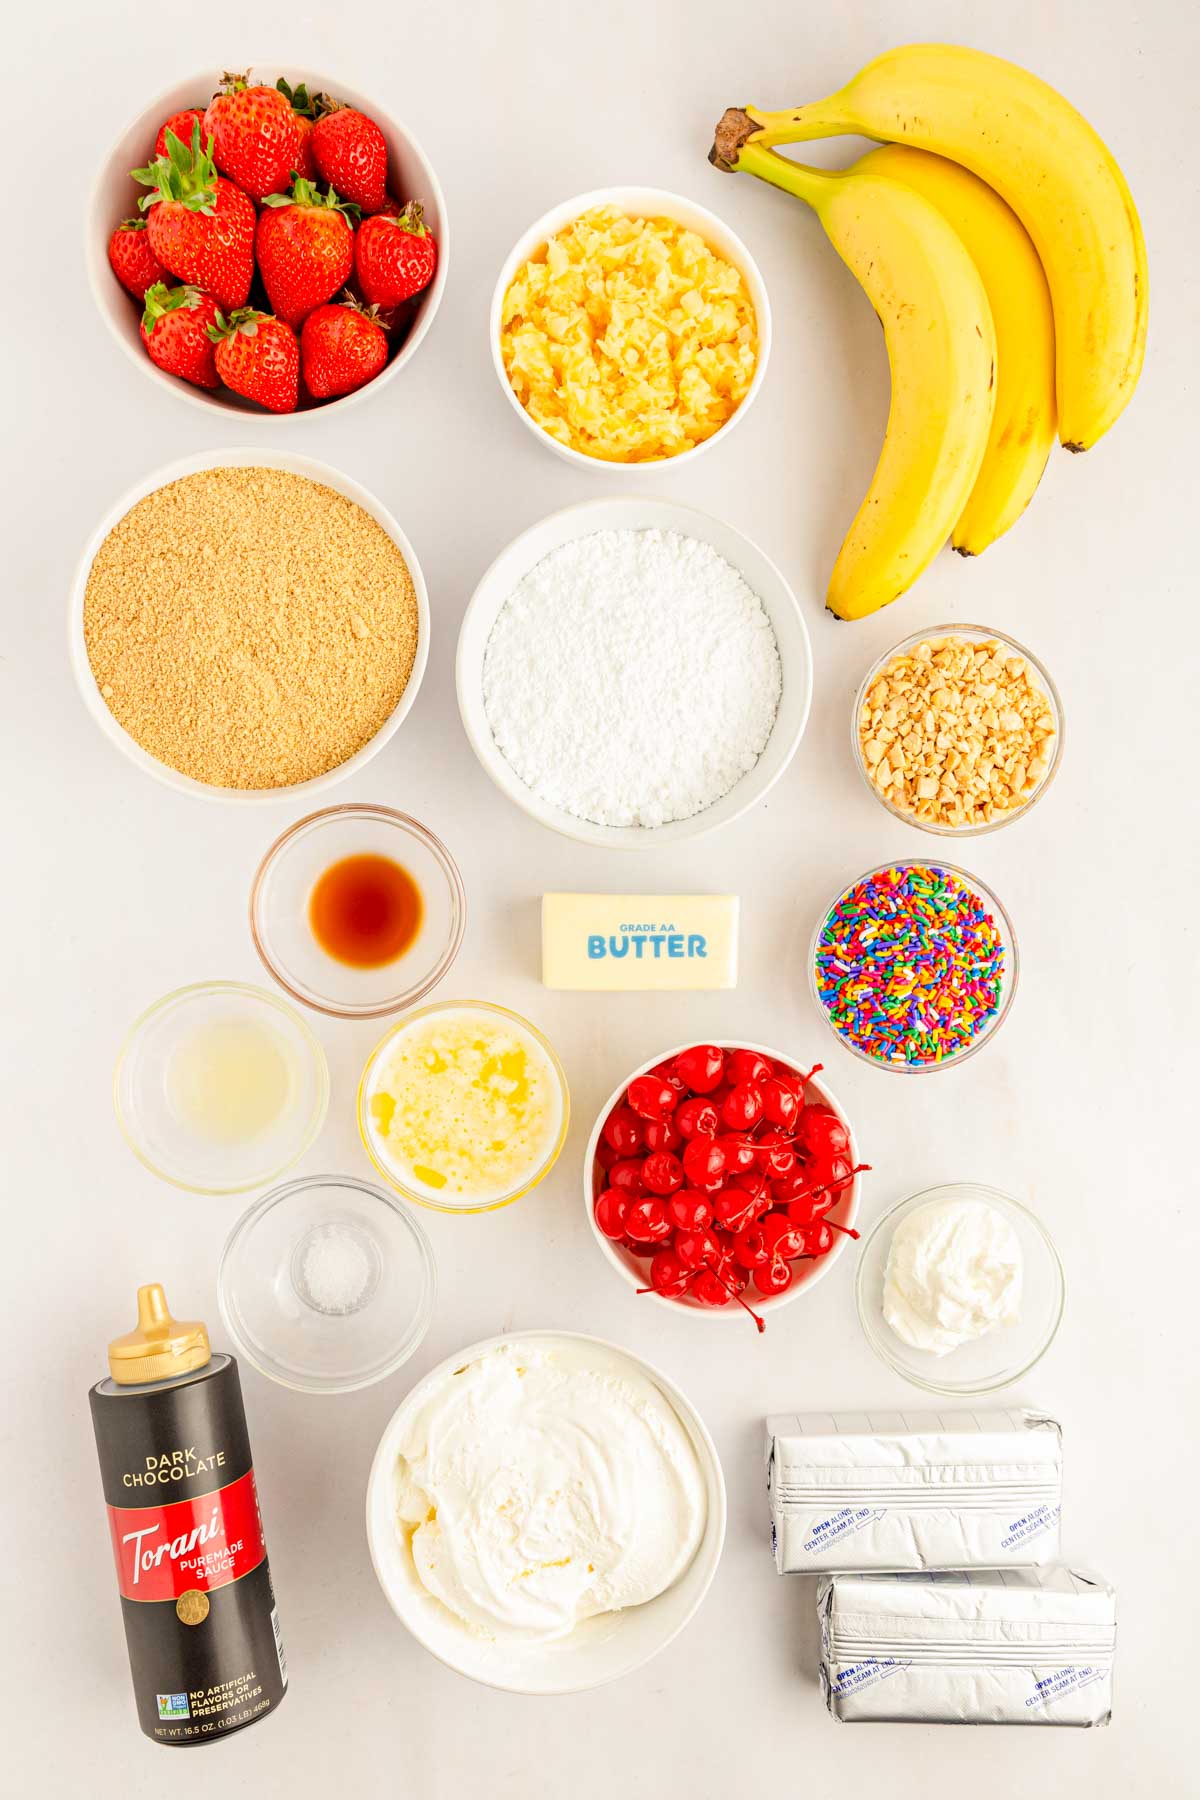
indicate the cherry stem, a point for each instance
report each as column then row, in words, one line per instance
column 832, row 1187
column 730, row 1289
column 805, row 1079
column 847, row 1229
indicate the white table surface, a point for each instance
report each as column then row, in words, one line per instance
column 116, row 890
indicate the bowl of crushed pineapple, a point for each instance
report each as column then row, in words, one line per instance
column 630, row 326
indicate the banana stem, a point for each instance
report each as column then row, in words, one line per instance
column 799, row 124
column 739, row 126
column 814, row 186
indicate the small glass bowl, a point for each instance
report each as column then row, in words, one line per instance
column 421, row 1197
column 327, row 1284
column 1012, row 966
column 150, row 1118
column 1003, row 1355
column 279, row 903
column 975, row 634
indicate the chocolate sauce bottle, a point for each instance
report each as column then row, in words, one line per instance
column 200, row 1618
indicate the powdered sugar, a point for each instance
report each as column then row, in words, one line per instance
column 632, row 678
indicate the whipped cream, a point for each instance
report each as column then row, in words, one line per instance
column 542, row 1484
column 953, row 1274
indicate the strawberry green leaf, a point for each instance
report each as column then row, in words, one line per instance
column 305, row 193
column 160, row 299
column 246, row 320
column 309, row 106
column 186, row 175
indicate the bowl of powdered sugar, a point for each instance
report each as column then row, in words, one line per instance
column 633, row 672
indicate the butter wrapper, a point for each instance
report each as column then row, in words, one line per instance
column 985, row 1647
column 607, row 943
column 913, row 1490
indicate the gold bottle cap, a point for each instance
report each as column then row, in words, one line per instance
column 160, row 1346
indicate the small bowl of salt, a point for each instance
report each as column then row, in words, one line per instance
column 327, row 1284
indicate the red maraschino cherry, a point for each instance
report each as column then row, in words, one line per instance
column 821, row 1134
column 697, row 1117
column 623, row 1130
column 748, row 1066
column 662, row 1173
column 667, row 1275
column 612, row 1211
column 662, row 1134
column 689, row 1210
column 701, row 1067
column 703, row 1162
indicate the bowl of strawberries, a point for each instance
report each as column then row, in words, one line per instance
column 722, row 1178
column 272, row 244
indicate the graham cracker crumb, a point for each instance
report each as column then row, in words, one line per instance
column 249, row 627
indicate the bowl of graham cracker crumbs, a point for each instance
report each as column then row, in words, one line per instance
column 247, row 624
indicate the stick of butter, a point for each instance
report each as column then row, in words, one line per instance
column 606, row 942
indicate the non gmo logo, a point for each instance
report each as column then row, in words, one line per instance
column 173, row 1706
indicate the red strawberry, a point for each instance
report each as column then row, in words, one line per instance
column 304, row 244
column 306, row 162
column 256, row 140
column 133, row 261
column 341, row 348
column 395, row 258
column 175, row 332
column 352, row 155
column 305, row 109
column 258, row 356
column 201, row 226
column 181, row 124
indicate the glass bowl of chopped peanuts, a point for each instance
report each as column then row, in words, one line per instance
column 957, row 730
column 629, row 327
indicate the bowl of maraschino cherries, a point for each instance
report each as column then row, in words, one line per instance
column 722, row 1178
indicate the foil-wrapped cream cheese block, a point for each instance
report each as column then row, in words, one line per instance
column 979, row 1647
column 913, row 1490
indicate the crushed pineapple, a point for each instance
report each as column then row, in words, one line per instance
column 628, row 339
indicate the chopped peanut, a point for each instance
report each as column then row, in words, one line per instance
column 956, row 734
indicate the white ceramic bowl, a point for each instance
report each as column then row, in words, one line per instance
column 241, row 459
column 601, row 1649
column 633, row 1269
column 115, row 197
column 638, row 202
column 634, row 513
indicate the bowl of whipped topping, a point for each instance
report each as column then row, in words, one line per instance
column 545, row 1512
column 960, row 1289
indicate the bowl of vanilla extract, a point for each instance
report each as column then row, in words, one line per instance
column 357, row 911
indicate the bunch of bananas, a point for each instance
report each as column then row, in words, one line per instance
column 997, row 240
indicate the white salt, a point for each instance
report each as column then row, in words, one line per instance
column 335, row 1270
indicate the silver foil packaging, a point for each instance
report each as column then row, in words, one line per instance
column 913, row 1490
column 986, row 1647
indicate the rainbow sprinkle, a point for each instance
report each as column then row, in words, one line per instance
column 910, row 965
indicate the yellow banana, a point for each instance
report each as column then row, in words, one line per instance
column 942, row 349
column 1059, row 177
column 1025, row 417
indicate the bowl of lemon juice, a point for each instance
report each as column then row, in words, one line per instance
column 220, row 1087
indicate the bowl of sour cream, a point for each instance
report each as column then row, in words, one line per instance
column 960, row 1289
column 545, row 1512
